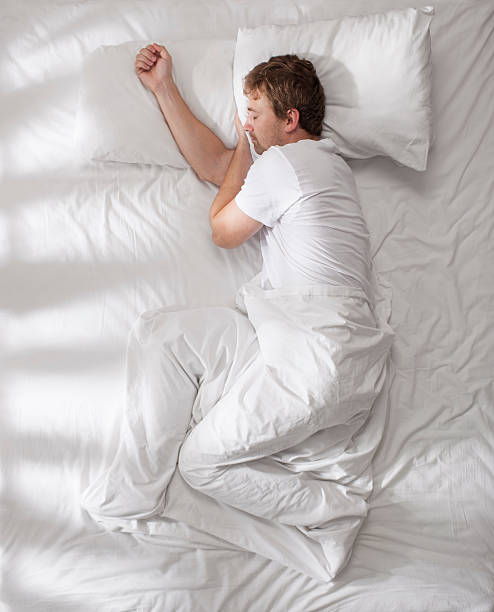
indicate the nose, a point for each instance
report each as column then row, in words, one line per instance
column 247, row 126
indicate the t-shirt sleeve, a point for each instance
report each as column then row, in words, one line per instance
column 270, row 188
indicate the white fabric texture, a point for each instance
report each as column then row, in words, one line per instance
column 286, row 439
column 376, row 74
column 314, row 232
column 118, row 119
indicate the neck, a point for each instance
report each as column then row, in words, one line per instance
column 300, row 134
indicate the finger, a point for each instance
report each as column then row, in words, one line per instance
column 142, row 58
column 142, row 67
column 160, row 50
column 145, row 55
column 150, row 55
column 147, row 60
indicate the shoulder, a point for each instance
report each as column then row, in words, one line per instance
column 315, row 158
column 270, row 187
column 271, row 157
column 271, row 165
column 308, row 148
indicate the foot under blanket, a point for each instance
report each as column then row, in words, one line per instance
column 266, row 410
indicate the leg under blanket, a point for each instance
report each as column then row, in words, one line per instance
column 264, row 408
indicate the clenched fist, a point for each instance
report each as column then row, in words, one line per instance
column 153, row 66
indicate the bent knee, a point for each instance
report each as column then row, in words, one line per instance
column 169, row 324
column 157, row 324
column 195, row 469
column 189, row 465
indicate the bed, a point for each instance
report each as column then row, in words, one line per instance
column 89, row 245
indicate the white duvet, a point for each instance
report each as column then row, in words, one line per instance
column 267, row 408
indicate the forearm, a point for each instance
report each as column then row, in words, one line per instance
column 234, row 177
column 204, row 151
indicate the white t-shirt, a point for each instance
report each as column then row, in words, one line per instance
column 314, row 230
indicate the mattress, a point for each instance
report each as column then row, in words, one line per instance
column 88, row 246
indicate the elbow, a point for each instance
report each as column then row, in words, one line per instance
column 222, row 242
column 215, row 171
column 215, row 180
column 218, row 241
column 215, row 233
column 209, row 178
column 214, row 238
column 202, row 176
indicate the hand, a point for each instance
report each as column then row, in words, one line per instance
column 242, row 134
column 153, row 66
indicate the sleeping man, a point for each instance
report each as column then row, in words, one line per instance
column 265, row 407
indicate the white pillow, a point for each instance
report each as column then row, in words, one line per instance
column 375, row 70
column 118, row 119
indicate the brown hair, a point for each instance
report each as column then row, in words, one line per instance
column 290, row 82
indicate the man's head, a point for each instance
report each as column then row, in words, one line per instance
column 286, row 102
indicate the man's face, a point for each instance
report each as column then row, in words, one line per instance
column 264, row 127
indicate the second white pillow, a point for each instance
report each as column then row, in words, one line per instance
column 118, row 119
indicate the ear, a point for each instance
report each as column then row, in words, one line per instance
column 292, row 120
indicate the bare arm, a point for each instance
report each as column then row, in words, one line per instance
column 236, row 173
column 231, row 226
column 204, row 151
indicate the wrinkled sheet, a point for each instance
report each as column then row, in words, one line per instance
column 87, row 248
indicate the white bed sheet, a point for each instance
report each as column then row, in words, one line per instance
column 86, row 248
